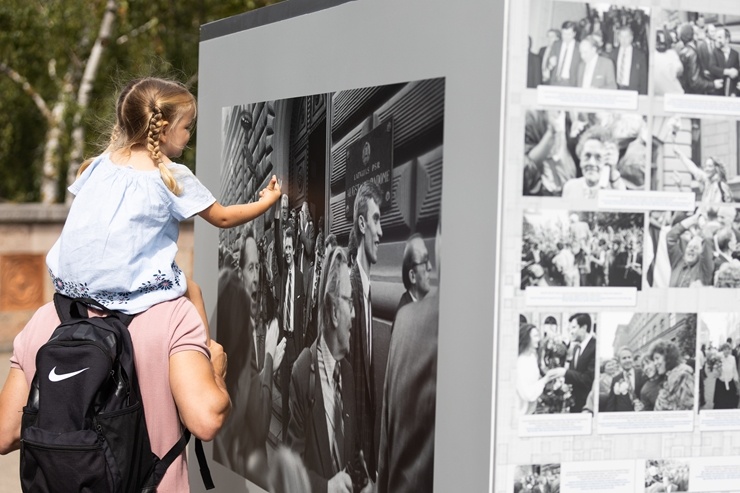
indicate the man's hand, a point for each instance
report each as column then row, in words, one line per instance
column 718, row 83
column 272, row 346
column 556, row 372
column 340, row 483
column 731, row 72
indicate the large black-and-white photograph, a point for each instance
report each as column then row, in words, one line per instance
column 698, row 156
column 537, row 478
column 328, row 304
column 719, row 360
column 696, row 53
column 589, row 45
column 582, row 248
column 693, row 249
column 647, row 362
column 575, row 154
column 556, row 363
column 663, row 475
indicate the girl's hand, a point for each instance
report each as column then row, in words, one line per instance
column 272, row 192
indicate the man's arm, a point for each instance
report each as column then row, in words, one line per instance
column 673, row 242
column 199, row 390
column 12, row 399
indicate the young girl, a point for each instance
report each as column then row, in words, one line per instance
column 119, row 242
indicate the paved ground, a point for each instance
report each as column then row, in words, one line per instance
column 9, row 475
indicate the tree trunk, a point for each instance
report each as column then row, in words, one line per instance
column 83, row 94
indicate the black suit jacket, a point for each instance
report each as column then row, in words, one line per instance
column 363, row 371
column 247, row 427
column 308, row 434
column 406, row 456
column 572, row 80
column 405, row 300
column 638, row 70
column 581, row 375
column 718, row 65
column 299, row 308
column 623, row 402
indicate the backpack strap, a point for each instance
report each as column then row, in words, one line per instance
column 174, row 453
column 71, row 308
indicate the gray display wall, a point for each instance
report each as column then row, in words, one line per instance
column 444, row 62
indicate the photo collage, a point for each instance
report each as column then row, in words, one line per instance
column 621, row 227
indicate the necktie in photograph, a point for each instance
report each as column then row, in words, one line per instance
column 338, row 421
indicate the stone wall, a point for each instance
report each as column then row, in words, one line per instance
column 27, row 232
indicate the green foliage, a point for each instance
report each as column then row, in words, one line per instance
column 45, row 39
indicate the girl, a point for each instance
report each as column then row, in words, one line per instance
column 119, row 242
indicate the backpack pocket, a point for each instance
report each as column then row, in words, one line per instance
column 64, row 463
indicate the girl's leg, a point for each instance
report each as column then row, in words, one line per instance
column 194, row 294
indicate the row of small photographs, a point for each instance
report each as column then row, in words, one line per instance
column 606, row 46
column 660, row 475
column 660, row 249
column 616, row 362
column 576, row 155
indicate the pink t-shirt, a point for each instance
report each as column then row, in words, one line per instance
column 158, row 333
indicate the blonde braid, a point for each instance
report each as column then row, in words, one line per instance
column 156, row 125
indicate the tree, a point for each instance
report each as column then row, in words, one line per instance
column 61, row 62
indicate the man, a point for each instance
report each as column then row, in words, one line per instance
column 598, row 159
column 693, row 78
column 726, row 244
column 415, row 271
column 725, row 64
column 292, row 306
column 366, row 234
column 565, row 51
column 534, row 76
column 626, row 385
column 692, row 263
column 182, row 386
column 631, row 63
column 581, row 369
column 242, row 444
column 304, row 249
column 628, row 263
column 280, row 224
column 406, row 459
column 594, row 71
column 322, row 407
column 548, row 61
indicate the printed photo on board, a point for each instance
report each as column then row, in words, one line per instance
column 328, row 305
column 647, row 362
column 582, row 248
column 588, row 45
column 696, row 53
column 555, row 365
column 576, row 154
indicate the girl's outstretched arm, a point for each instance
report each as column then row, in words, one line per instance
column 238, row 214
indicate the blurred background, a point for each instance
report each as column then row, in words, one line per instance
column 61, row 65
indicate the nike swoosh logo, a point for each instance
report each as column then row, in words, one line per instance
column 56, row 377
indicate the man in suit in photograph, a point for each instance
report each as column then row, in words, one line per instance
column 547, row 61
column 626, row 385
column 725, row 64
column 631, row 63
column 594, row 71
column 322, row 404
column 406, row 455
column 416, row 271
column 290, row 317
column 365, row 239
column 581, row 369
column 568, row 57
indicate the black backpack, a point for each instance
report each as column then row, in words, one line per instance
column 83, row 428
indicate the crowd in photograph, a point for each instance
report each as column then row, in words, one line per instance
column 694, row 249
column 663, row 476
column 538, row 479
column 695, row 57
column 308, row 364
column 576, row 154
column 584, row 253
column 719, row 368
column 606, row 49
